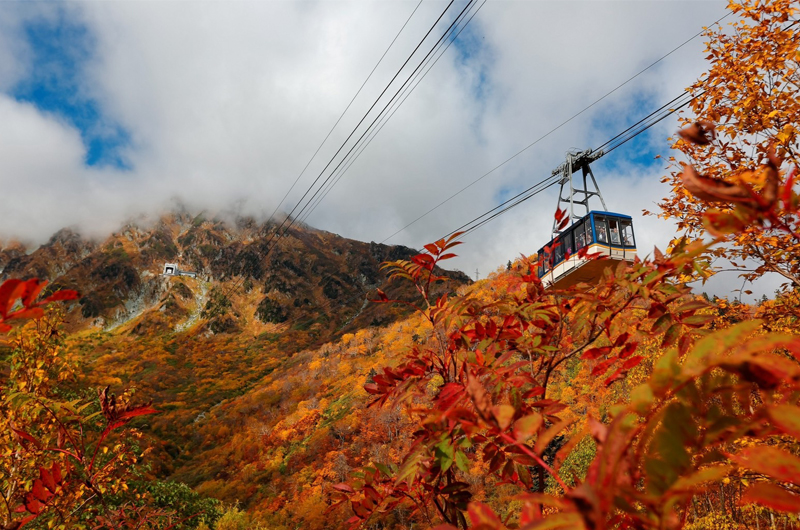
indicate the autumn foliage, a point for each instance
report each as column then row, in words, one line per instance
column 720, row 401
column 632, row 402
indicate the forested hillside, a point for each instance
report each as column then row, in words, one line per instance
column 270, row 392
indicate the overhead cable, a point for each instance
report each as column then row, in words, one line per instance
column 396, row 105
column 562, row 124
column 345, row 111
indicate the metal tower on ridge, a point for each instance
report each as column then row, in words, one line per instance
column 577, row 195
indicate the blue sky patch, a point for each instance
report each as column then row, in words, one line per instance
column 471, row 52
column 641, row 150
column 61, row 48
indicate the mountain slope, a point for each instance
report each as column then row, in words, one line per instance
column 192, row 345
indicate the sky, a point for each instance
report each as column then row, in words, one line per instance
column 110, row 111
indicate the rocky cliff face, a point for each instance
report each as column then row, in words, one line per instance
column 307, row 282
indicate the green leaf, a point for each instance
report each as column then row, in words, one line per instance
column 716, row 343
column 384, row 469
column 666, row 372
column 445, row 454
column 668, row 456
column 671, row 336
column 692, row 306
column 697, row 320
column 410, row 467
column 462, row 461
column 642, row 398
column 770, row 461
column 662, row 324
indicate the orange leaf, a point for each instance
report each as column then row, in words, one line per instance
column 712, row 190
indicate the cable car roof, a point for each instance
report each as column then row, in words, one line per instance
column 601, row 212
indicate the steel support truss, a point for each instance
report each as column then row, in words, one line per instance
column 575, row 193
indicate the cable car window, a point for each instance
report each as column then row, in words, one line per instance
column 568, row 248
column 546, row 263
column 588, row 225
column 580, row 236
column 558, row 252
column 614, row 231
column 627, row 234
column 601, row 229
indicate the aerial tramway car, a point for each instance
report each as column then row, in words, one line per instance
column 598, row 231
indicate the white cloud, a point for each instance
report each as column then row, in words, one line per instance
column 226, row 101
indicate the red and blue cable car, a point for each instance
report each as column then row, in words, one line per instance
column 605, row 233
column 562, row 263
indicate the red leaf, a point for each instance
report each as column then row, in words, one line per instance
column 433, row 249
column 32, row 504
column 137, row 411
column 448, row 395
column 57, row 473
column 360, row 509
column 594, row 353
column 772, row 496
column 26, row 520
column 423, row 260
column 628, row 349
column 32, row 289
column 64, row 294
column 372, row 388
column 621, row 339
column 344, row 487
column 786, row 195
column 603, row 367
column 483, row 518
column 33, row 312
column 47, row 479
column 533, row 392
column 771, row 461
column 633, row 361
column 542, row 403
column 26, row 436
column 8, row 295
column 39, row 491
column 447, row 256
column 616, row 376
column 656, row 310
